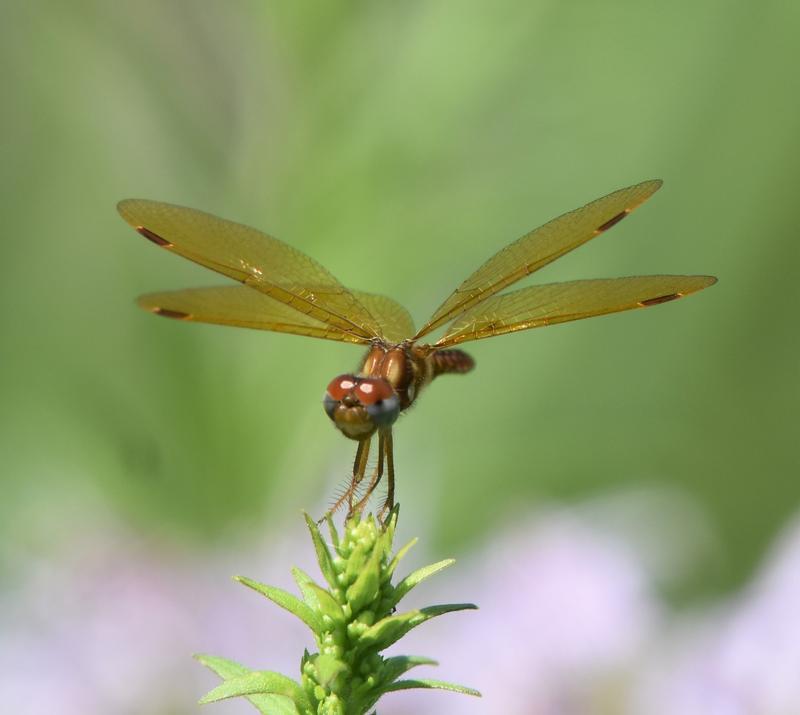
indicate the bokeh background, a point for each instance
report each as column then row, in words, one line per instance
column 646, row 461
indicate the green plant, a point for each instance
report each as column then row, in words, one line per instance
column 353, row 620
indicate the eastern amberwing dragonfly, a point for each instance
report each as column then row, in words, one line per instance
column 286, row 291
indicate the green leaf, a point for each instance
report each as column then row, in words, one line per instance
column 223, row 667
column 390, row 524
column 286, row 600
column 265, row 704
column 356, row 562
column 328, row 667
column 417, row 576
column 392, row 628
column 332, row 529
column 323, row 553
column 304, row 581
column 260, row 682
column 394, row 667
column 399, row 555
column 366, row 587
column 435, row 684
column 327, row 605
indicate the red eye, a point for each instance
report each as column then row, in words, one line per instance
column 340, row 386
column 370, row 391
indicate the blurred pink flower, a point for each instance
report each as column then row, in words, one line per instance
column 565, row 610
column 739, row 659
column 108, row 626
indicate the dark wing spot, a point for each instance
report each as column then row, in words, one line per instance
column 154, row 237
column 612, row 221
column 660, row 299
column 167, row 313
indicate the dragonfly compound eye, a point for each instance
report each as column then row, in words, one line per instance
column 340, row 386
column 380, row 400
column 372, row 390
column 339, row 389
column 384, row 412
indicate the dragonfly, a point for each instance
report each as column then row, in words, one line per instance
column 281, row 289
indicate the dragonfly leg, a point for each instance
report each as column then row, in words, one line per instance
column 359, row 468
column 376, row 476
column 388, row 505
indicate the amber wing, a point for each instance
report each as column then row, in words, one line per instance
column 538, row 248
column 393, row 319
column 243, row 307
column 256, row 259
column 542, row 305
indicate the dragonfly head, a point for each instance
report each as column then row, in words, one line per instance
column 358, row 406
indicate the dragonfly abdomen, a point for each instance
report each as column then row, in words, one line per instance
column 451, row 361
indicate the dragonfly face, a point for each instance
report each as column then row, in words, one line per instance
column 359, row 406
column 283, row 290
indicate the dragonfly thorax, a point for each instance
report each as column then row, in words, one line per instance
column 406, row 367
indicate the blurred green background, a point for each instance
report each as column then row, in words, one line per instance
column 400, row 144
